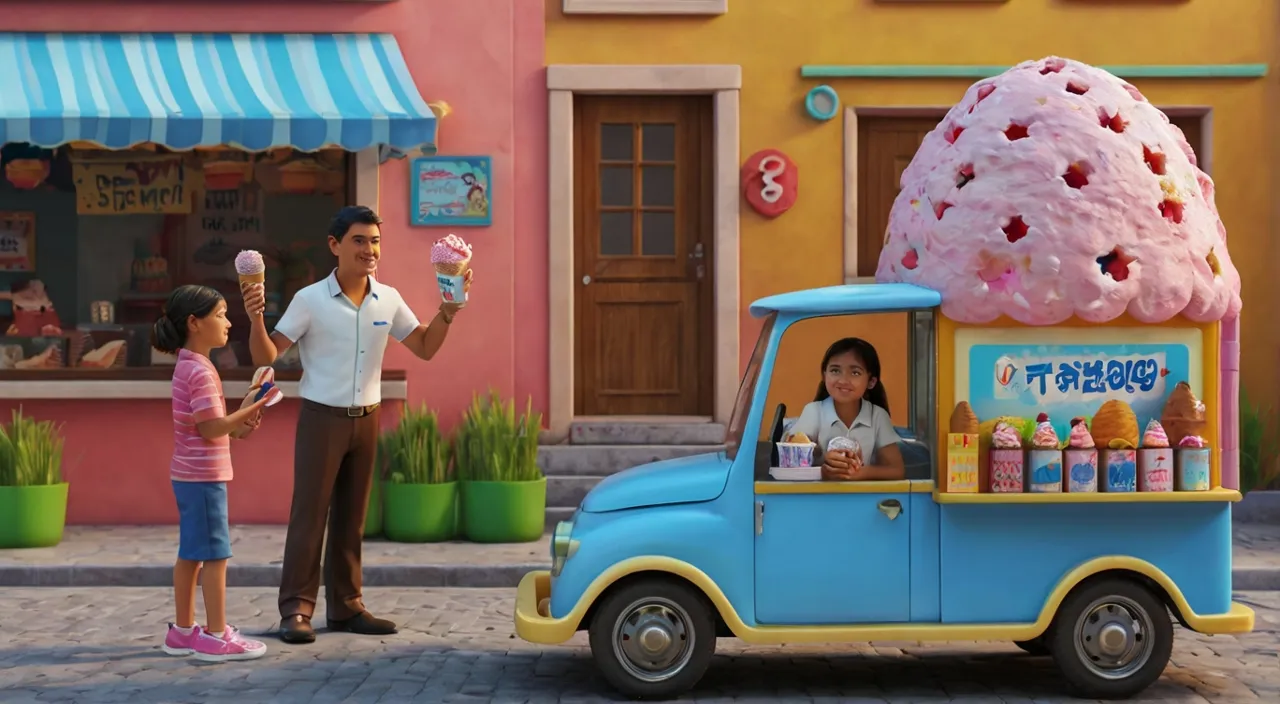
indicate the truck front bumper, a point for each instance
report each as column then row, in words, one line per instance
column 532, row 613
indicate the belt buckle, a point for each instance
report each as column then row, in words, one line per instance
column 355, row 411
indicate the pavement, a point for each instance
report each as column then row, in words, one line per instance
column 142, row 556
column 457, row 645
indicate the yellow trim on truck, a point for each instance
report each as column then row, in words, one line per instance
column 536, row 626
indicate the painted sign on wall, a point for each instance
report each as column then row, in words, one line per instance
column 1067, row 373
column 769, row 181
column 451, row 190
column 17, row 241
column 137, row 186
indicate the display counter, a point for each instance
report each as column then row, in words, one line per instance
column 118, row 432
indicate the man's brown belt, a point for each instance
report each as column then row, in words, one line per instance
column 346, row 412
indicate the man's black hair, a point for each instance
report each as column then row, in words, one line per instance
column 352, row 215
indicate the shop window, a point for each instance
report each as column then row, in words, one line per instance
column 96, row 239
column 798, row 378
column 645, row 7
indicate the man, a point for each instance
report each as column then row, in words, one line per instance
column 341, row 325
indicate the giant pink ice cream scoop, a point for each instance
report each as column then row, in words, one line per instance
column 1056, row 190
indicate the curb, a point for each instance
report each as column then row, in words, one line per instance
column 1258, row 506
column 1263, row 579
column 472, row 576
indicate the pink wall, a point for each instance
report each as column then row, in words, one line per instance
column 484, row 58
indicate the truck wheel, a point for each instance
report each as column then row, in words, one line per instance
column 1111, row 639
column 1035, row 646
column 653, row 639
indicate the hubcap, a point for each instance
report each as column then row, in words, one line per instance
column 1114, row 637
column 652, row 639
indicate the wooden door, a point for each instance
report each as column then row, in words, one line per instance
column 885, row 146
column 1192, row 127
column 643, row 259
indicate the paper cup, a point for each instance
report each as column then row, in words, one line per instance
column 1081, row 466
column 1193, row 469
column 452, row 288
column 1045, row 471
column 1119, row 470
column 1007, row 470
column 795, row 454
column 1155, row 469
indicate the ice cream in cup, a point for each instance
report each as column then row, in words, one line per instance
column 1193, row 464
column 794, row 455
column 1045, row 458
column 1081, row 459
column 250, row 267
column 451, row 257
column 1155, row 459
column 1007, row 460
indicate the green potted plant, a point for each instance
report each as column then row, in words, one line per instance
column 1259, row 449
column 504, row 493
column 420, row 495
column 33, row 497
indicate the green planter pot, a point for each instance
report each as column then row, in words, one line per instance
column 373, row 516
column 419, row 513
column 32, row 516
column 504, row 512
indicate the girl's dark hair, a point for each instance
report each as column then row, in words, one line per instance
column 169, row 334
column 867, row 353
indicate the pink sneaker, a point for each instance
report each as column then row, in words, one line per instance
column 231, row 646
column 178, row 643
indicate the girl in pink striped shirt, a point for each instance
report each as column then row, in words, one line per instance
column 194, row 323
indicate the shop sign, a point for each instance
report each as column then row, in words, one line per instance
column 451, row 191
column 1055, row 372
column 136, row 186
column 769, row 181
column 17, row 241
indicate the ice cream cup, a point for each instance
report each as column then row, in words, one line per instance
column 1007, row 470
column 1119, row 470
column 451, row 279
column 1155, row 469
column 792, row 455
column 1044, row 475
column 1080, row 470
column 1193, row 468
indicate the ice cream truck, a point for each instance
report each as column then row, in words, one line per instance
column 1069, row 441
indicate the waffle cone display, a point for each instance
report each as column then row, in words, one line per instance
column 964, row 420
column 1115, row 426
column 1183, row 414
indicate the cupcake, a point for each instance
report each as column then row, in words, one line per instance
column 1007, row 460
column 1155, row 459
column 1081, row 459
column 1045, row 458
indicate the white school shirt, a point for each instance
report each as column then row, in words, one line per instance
column 873, row 428
column 342, row 346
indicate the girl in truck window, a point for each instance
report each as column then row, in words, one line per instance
column 851, row 404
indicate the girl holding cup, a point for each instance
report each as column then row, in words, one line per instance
column 849, row 417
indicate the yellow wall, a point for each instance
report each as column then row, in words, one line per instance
column 772, row 39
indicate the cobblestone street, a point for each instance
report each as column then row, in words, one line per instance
column 95, row 646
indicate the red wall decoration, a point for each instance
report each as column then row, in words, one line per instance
column 769, row 181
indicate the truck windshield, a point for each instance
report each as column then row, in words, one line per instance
column 742, row 407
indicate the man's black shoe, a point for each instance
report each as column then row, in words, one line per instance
column 297, row 629
column 365, row 624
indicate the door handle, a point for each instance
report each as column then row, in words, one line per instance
column 759, row 518
column 890, row 508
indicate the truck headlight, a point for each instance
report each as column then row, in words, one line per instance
column 563, row 546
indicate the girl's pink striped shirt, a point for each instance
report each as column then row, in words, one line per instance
column 197, row 397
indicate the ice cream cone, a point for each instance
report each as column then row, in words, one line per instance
column 246, row 279
column 453, row 268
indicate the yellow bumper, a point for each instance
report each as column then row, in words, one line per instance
column 1238, row 620
column 533, row 622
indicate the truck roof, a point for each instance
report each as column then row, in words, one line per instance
column 850, row 298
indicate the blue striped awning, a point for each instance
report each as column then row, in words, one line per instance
column 254, row 91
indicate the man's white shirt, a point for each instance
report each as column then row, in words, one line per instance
column 342, row 346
